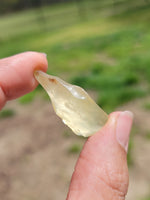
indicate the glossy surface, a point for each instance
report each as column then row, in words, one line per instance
column 73, row 105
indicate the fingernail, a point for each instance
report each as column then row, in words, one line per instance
column 124, row 124
column 44, row 54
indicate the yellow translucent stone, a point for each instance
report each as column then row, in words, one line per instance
column 73, row 105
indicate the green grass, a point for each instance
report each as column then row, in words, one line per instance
column 6, row 113
column 67, row 134
column 107, row 54
column 27, row 98
column 74, row 149
column 130, row 159
column 146, row 106
column 146, row 198
column 147, row 135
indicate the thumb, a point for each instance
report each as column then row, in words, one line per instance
column 101, row 172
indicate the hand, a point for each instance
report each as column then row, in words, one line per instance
column 101, row 172
column 16, row 74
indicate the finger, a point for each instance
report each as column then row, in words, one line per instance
column 101, row 172
column 16, row 74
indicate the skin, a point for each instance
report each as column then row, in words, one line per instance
column 101, row 172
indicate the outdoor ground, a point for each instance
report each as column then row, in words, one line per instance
column 38, row 156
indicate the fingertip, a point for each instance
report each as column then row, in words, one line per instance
column 17, row 74
column 41, row 63
column 123, row 129
column 34, row 61
column 108, row 127
column 113, row 116
column 112, row 120
column 38, row 59
column 108, row 132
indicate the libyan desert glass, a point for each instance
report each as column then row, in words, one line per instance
column 73, row 105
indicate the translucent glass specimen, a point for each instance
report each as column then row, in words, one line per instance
column 73, row 105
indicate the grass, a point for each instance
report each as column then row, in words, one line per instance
column 146, row 198
column 82, row 50
column 147, row 135
column 66, row 134
column 130, row 159
column 27, row 98
column 146, row 106
column 6, row 113
column 74, row 149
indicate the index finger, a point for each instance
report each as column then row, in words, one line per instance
column 16, row 74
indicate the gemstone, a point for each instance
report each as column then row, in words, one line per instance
column 73, row 105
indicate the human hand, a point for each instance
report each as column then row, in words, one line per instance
column 16, row 74
column 101, row 172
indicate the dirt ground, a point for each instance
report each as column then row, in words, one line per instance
column 35, row 158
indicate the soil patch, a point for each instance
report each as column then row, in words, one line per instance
column 36, row 160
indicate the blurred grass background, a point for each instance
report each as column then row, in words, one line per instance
column 102, row 46
column 89, row 44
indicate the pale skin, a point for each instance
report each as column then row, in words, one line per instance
column 101, row 172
